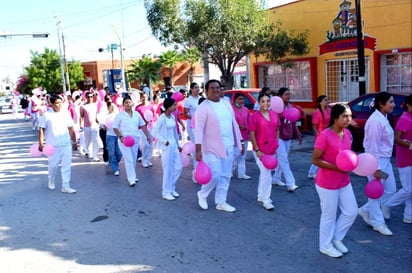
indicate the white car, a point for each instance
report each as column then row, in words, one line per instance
column 5, row 105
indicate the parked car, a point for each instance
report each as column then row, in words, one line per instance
column 361, row 111
column 5, row 105
column 251, row 96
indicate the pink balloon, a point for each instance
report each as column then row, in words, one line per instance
column 177, row 96
column 374, row 189
column 34, row 150
column 276, row 104
column 99, row 105
column 203, row 175
column 347, row 160
column 367, row 164
column 102, row 93
column 185, row 159
column 269, row 161
column 188, row 147
column 291, row 114
column 148, row 115
column 48, row 150
column 128, row 141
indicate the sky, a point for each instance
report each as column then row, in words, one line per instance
column 87, row 25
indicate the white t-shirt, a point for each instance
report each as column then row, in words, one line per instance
column 192, row 103
column 128, row 126
column 225, row 122
column 56, row 126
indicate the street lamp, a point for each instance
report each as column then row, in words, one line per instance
column 110, row 47
column 34, row 35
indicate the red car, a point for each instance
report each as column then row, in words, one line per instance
column 251, row 96
column 361, row 112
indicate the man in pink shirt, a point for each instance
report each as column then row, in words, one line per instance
column 88, row 118
column 216, row 136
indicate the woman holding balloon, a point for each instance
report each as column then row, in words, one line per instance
column 264, row 132
column 287, row 130
column 146, row 110
column 378, row 141
column 333, row 184
column 126, row 127
column 165, row 132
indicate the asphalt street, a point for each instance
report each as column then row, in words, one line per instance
column 108, row 226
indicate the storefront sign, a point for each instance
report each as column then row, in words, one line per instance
column 347, row 44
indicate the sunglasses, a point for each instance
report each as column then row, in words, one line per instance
column 90, row 96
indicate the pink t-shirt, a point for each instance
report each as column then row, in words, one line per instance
column 331, row 145
column 321, row 122
column 265, row 131
column 89, row 113
column 403, row 154
column 142, row 108
column 242, row 119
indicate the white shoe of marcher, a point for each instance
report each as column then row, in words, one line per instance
column 292, row 188
column 383, row 229
column 340, row 246
column 268, row 205
column 202, row 202
column 68, row 190
column 225, row 207
column 168, row 197
column 331, row 252
column 51, row 185
column 278, row 183
column 244, row 176
column 175, row 194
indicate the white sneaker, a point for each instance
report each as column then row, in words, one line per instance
column 202, row 201
column 364, row 215
column 268, row 205
column 106, row 163
column 225, row 207
column 132, row 184
column 386, row 212
column 278, row 183
column 168, row 197
column 175, row 194
column 331, row 252
column 116, row 173
column 244, row 176
column 407, row 221
column 340, row 246
column 51, row 185
column 292, row 188
column 383, row 229
column 68, row 190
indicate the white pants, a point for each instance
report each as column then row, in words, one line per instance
column 191, row 134
column 264, row 189
column 221, row 172
column 404, row 195
column 130, row 158
column 35, row 120
column 146, row 148
column 61, row 154
column 372, row 207
column 172, row 168
column 239, row 160
column 330, row 200
column 91, row 137
column 283, row 167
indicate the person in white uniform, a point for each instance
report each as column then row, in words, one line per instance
column 165, row 132
column 127, row 123
column 56, row 127
column 217, row 134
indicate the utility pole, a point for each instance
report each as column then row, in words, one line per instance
column 60, row 55
column 65, row 63
column 121, row 59
column 361, row 50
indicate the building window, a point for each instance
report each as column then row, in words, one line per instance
column 342, row 79
column 297, row 78
column 396, row 73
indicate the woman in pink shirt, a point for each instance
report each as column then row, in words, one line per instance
column 146, row 146
column 242, row 119
column 333, row 185
column 403, row 145
column 320, row 121
column 264, row 132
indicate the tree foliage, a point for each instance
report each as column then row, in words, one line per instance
column 226, row 30
column 169, row 59
column 45, row 71
column 192, row 56
column 23, row 85
column 146, row 70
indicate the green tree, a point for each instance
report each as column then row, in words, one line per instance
column 191, row 55
column 45, row 71
column 224, row 30
column 146, row 70
column 169, row 59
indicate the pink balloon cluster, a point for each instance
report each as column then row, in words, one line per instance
column 269, row 161
column 48, row 150
column 203, row 175
column 347, row 160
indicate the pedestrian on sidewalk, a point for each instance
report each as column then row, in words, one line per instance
column 264, row 133
column 165, row 132
column 90, row 125
column 333, row 185
column 56, row 126
column 114, row 153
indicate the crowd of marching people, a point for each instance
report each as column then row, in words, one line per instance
column 216, row 135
